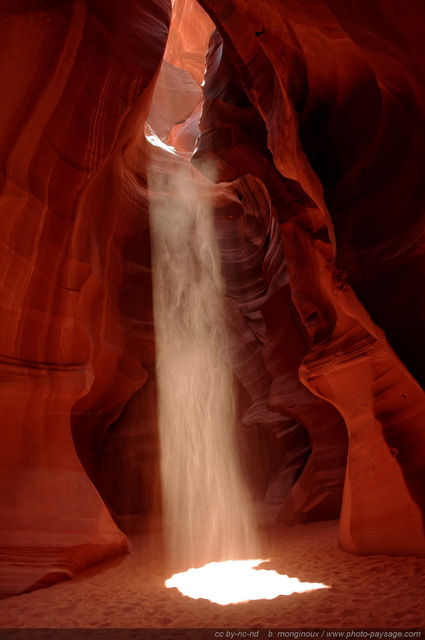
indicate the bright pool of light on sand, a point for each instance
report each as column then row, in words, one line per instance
column 235, row 581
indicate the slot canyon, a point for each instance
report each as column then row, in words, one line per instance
column 300, row 126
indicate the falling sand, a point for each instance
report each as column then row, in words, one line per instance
column 207, row 511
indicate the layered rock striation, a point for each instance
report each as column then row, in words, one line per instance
column 328, row 81
column 311, row 123
column 76, row 312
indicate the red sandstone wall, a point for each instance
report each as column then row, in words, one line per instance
column 76, row 321
column 314, row 116
column 340, row 93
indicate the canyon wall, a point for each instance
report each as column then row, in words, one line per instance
column 339, row 88
column 76, row 311
column 313, row 117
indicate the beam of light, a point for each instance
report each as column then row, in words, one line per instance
column 235, row 581
column 207, row 507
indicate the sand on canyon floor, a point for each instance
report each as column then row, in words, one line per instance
column 129, row 593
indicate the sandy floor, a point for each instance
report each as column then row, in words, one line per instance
column 370, row 592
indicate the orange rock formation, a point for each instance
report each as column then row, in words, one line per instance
column 313, row 117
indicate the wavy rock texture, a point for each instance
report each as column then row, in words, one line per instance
column 313, row 120
column 269, row 343
column 268, row 323
column 339, row 91
column 76, row 311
